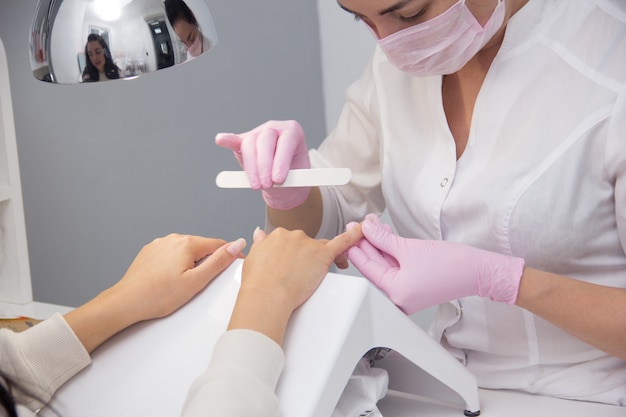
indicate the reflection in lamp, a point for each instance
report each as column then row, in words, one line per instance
column 139, row 37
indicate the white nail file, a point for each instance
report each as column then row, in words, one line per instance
column 319, row 177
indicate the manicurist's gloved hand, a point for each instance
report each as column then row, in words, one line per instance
column 267, row 153
column 417, row 274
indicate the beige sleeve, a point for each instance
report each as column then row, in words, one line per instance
column 41, row 359
column 240, row 380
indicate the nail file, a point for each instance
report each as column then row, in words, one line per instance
column 319, row 177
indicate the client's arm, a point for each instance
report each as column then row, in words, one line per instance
column 164, row 276
column 280, row 273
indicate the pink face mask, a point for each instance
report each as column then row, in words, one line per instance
column 443, row 44
column 196, row 47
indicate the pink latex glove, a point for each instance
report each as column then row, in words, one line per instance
column 267, row 153
column 417, row 274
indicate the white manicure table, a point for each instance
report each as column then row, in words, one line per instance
column 146, row 370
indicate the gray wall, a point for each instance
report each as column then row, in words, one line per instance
column 108, row 167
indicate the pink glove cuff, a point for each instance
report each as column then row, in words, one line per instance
column 287, row 198
column 501, row 279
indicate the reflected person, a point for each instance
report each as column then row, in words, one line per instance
column 99, row 61
column 186, row 26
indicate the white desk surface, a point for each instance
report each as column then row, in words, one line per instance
column 34, row 310
column 496, row 403
column 493, row 403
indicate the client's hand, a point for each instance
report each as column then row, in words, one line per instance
column 170, row 270
column 166, row 274
column 280, row 273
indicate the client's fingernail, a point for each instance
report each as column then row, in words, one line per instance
column 367, row 227
column 258, row 234
column 235, row 248
column 351, row 225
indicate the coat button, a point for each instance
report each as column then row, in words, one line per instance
column 444, row 182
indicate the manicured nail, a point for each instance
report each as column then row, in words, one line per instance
column 235, row 248
column 371, row 217
column 368, row 226
column 258, row 234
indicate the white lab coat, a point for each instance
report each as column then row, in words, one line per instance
column 543, row 177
